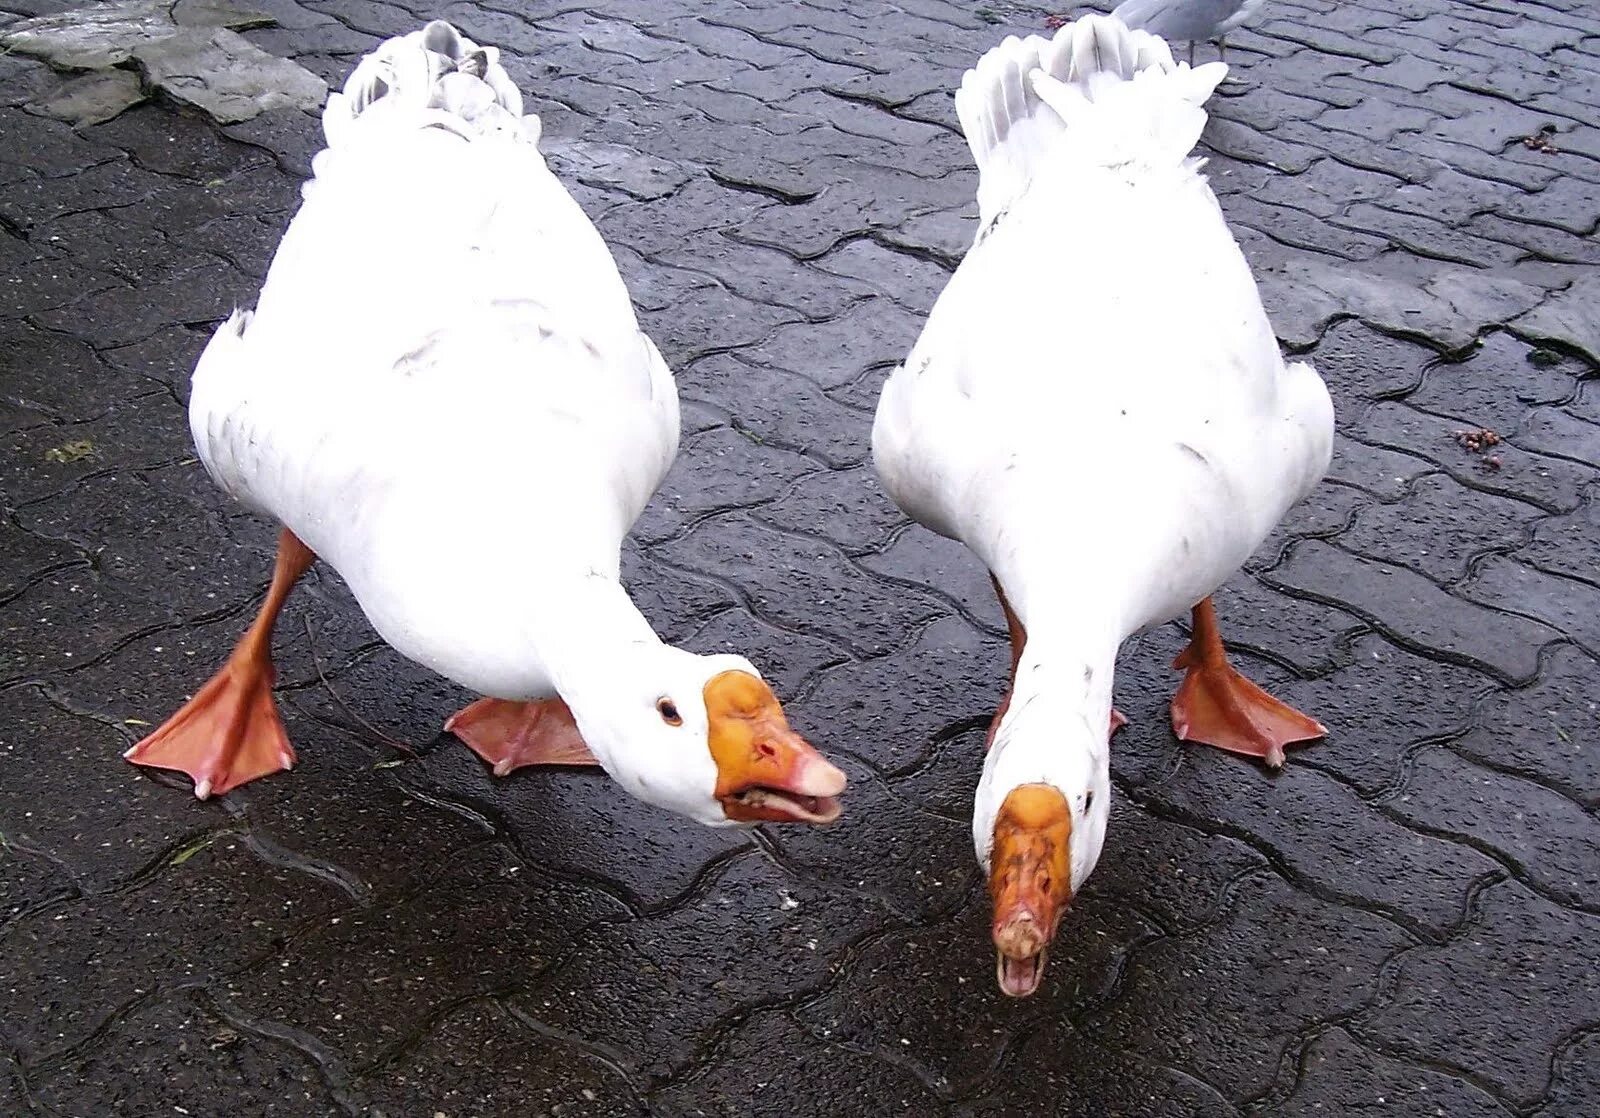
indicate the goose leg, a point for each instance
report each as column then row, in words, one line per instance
column 1218, row 706
column 229, row 733
column 1019, row 637
column 509, row 735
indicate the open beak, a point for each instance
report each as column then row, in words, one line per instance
column 766, row 773
column 1030, row 882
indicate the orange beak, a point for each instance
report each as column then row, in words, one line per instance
column 1030, row 882
column 766, row 773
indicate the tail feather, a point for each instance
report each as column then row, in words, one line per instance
column 435, row 72
column 1110, row 95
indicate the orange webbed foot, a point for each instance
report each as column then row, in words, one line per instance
column 227, row 735
column 1217, row 706
column 511, row 735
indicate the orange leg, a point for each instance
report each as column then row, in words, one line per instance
column 1019, row 637
column 1218, row 706
column 510, row 735
column 229, row 733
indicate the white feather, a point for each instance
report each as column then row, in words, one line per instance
column 1096, row 92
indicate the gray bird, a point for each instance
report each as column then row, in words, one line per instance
column 1179, row 21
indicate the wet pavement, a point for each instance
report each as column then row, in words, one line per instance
column 1405, row 921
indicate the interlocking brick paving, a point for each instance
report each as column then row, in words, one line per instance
column 1405, row 921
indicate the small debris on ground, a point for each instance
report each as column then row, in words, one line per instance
column 1543, row 358
column 70, row 452
column 1477, row 440
column 1540, row 141
column 1481, row 441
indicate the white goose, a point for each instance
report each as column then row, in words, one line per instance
column 444, row 393
column 1098, row 408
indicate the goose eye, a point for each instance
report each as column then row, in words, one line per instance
column 669, row 712
column 1088, row 800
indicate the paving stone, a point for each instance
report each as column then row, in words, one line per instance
column 1063, row 1071
column 1450, row 309
column 918, row 866
column 788, row 661
column 117, row 824
column 1333, row 844
column 1552, row 842
column 1525, row 955
column 37, row 281
column 723, row 468
column 1440, row 529
column 1342, row 1077
column 1357, row 362
column 504, row 930
column 1414, row 611
column 236, row 912
column 481, row 1060
column 1382, row 472
column 1224, row 995
column 176, row 1058
column 614, row 167
column 1569, row 606
column 29, row 881
column 1300, row 230
column 829, row 586
column 1548, row 482
column 919, row 558
column 1494, row 387
column 1427, row 237
column 1159, row 867
column 944, row 235
column 674, row 601
column 712, row 318
column 1258, row 617
column 104, row 34
column 949, row 673
column 92, row 98
column 1568, row 544
column 759, row 934
column 780, row 409
column 1325, row 512
column 768, row 275
column 1324, row 189
column 848, row 507
column 1568, row 318
column 1371, row 737
column 897, row 998
column 911, row 282
column 1574, row 1088
column 815, row 1078
column 1539, row 732
column 1488, row 166
column 1559, row 433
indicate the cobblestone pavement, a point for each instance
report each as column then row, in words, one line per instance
column 1406, row 921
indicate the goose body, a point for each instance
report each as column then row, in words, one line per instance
column 1187, row 21
column 444, row 393
column 1097, row 406
column 442, row 342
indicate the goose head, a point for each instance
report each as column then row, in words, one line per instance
column 704, row 736
column 1038, row 826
